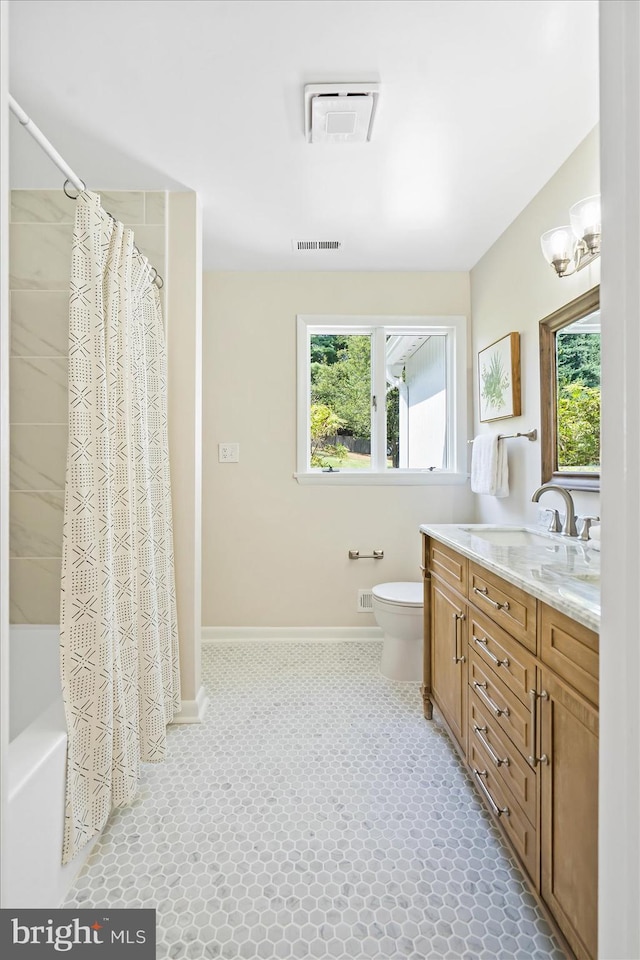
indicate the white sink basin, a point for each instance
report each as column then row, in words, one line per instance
column 509, row 536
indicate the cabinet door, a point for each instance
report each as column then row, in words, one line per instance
column 569, row 812
column 449, row 658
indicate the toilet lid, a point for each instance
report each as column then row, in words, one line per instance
column 408, row 594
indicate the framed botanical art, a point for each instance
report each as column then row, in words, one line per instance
column 499, row 379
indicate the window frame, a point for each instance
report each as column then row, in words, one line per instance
column 454, row 328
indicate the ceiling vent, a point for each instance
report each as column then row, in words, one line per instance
column 308, row 246
column 339, row 112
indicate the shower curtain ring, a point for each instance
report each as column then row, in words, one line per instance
column 156, row 278
column 70, row 195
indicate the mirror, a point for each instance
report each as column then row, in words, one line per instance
column 570, row 394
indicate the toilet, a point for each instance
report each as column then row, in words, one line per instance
column 397, row 608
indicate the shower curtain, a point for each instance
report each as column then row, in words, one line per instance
column 118, row 629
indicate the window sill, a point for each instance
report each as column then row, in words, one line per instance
column 369, row 478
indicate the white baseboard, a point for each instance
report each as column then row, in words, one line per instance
column 291, row 634
column 193, row 711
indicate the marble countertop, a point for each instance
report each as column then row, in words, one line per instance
column 561, row 571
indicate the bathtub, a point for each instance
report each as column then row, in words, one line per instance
column 34, row 875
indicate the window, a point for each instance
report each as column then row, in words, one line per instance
column 578, row 396
column 381, row 399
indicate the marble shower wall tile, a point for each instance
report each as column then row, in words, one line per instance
column 41, row 206
column 155, row 206
column 40, row 256
column 38, row 390
column 52, row 206
column 34, row 591
column 38, row 456
column 36, row 524
column 125, row 205
column 39, row 323
column 40, row 261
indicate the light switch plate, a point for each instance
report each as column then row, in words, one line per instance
column 228, row 452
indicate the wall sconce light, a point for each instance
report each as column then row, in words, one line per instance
column 571, row 248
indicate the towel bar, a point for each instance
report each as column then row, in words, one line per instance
column 530, row 435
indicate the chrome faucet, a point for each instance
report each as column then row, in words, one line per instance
column 569, row 526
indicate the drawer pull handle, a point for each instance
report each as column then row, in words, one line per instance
column 499, row 811
column 534, row 696
column 492, row 656
column 457, row 617
column 484, row 593
column 485, row 743
column 482, row 690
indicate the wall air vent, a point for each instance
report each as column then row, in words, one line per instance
column 339, row 112
column 308, row 246
column 365, row 601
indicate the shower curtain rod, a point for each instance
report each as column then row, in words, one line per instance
column 61, row 164
column 48, row 147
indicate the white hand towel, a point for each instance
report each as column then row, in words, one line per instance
column 489, row 467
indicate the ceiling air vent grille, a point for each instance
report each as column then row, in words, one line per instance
column 305, row 246
column 339, row 112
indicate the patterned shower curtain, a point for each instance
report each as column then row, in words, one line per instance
column 119, row 641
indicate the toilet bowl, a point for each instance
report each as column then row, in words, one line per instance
column 397, row 608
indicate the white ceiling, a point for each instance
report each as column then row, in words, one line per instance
column 480, row 102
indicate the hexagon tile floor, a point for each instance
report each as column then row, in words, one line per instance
column 313, row 814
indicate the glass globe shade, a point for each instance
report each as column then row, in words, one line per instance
column 585, row 217
column 558, row 244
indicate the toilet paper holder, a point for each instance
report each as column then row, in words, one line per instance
column 356, row 555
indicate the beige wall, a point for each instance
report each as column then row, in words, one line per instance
column 184, row 350
column 513, row 288
column 274, row 551
column 40, row 261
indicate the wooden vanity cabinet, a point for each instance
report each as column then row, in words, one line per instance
column 449, row 658
column 508, row 606
column 570, row 651
column 517, row 684
column 569, row 812
column 447, row 565
column 568, row 730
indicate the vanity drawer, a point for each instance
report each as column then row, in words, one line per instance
column 507, row 605
column 571, row 650
column 449, row 566
column 504, row 655
column 512, row 716
column 517, row 826
column 518, row 777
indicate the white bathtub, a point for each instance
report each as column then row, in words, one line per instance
column 36, row 774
